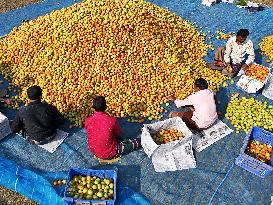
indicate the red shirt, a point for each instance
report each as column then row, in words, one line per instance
column 103, row 131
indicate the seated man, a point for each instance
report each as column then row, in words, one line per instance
column 231, row 58
column 104, row 133
column 202, row 103
column 38, row 121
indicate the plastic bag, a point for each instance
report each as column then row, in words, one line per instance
column 268, row 88
column 4, row 126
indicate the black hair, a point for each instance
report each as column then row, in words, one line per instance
column 201, row 83
column 34, row 92
column 243, row 32
column 99, row 104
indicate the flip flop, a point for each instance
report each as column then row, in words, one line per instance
column 3, row 92
column 229, row 74
column 108, row 161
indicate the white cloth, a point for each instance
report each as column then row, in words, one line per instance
column 4, row 126
column 56, row 142
column 208, row 2
column 237, row 52
column 241, row 72
column 228, row 1
column 205, row 113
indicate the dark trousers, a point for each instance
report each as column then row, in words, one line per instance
column 44, row 141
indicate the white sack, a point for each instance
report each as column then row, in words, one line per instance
column 174, row 155
column 4, row 126
column 268, row 88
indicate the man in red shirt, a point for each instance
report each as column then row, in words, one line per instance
column 103, row 133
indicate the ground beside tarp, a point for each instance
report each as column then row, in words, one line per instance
column 216, row 180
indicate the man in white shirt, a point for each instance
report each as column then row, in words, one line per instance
column 232, row 58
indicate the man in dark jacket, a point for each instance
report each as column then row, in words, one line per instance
column 38, row 121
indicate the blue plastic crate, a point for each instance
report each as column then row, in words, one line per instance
column 251, row 164
column 90, row 172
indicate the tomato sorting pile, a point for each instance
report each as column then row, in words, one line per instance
column 134, row 53
column 91, row 188
column 244, row 113
column 257, row 72
column 259, row 151
column 165, row 136
column 266, row 47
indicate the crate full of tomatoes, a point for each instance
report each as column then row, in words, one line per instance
column 87, row 186
column 254, row 79
column 256, row 153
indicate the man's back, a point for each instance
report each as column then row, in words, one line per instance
column 38, row 119
column 103, row 131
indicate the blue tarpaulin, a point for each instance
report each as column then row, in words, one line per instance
column 30, row 170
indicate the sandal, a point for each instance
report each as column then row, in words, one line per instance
column 109, row 161
column 3, row 92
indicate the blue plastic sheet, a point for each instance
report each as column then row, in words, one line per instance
column 216, row 180
column 38, row 187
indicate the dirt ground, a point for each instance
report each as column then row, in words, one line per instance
column 7, row 5
column 265, row 2
column 8, row 197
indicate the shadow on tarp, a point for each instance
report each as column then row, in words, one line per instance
column 208, row 183
column 258, row 56
column 128, row 175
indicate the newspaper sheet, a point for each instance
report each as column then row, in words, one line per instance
column 211, row 135
column 52, row 146
column 249, row 85
column 4, row 126
column 268, row 88
column 176, row 155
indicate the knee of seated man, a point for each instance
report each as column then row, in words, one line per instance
column 220, row 48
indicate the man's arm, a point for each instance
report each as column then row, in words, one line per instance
column 6, row 100
column 250, row 52
column 57, row 115
column 17, row 124
column 228, row 51
column 217, row 102
column 181, row 103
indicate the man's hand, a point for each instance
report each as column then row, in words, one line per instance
column 226, row 64
column 172, row 98
column 244, row 67
column 229, row 67
column 8, row 101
